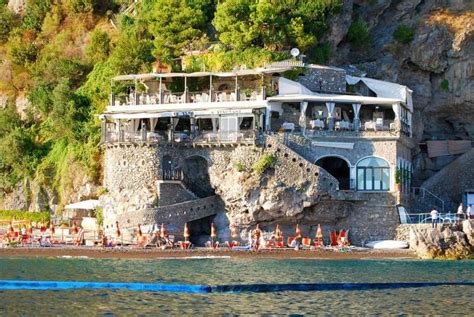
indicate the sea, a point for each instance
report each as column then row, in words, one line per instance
column 399, row 300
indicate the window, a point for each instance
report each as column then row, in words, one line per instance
column 373, row 174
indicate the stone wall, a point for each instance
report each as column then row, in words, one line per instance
column 174, row 217
column 324, row 79
column 173, row 192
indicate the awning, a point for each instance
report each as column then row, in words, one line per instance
column 385, row 89
column 292, row 91
column 85, row 204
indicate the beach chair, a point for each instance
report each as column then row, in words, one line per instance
column 333, row 237
column 289, row 241
column 306, row 242
column 79, row 239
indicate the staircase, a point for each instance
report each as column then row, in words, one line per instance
column 172, row 192
column 422, row 201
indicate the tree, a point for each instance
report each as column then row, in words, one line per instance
column 7, row 22
column 99, row 47
column 175, row 25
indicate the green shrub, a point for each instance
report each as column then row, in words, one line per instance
column 43, row 216
column 321, row 54
column 265, row 162
column 7, row 22
column 358, row 34
column 239, row 167
column 444, row 85
column 404, row 34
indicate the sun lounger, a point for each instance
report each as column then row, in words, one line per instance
column 306, row 242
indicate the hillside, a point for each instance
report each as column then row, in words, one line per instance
column 57, row 58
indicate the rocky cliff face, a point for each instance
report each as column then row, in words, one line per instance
column 437, row 64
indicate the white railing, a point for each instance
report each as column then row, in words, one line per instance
column 426, row 218
column 426, row 195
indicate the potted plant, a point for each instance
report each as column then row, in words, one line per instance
column 398, row 179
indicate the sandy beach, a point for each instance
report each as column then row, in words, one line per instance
column 153, row 253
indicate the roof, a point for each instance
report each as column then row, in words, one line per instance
column 85, row 204
column 363, row 100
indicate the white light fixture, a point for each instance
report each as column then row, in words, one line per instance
column 295, row 52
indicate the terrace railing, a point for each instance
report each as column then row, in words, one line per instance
column 184, row 97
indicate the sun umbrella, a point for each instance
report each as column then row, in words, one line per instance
column 319, row 236
column 140, row 233
column 213, row 231
column 163, row 232
column 10, row 228
column 51, row 228
column 117, row 231
column 234, row 233
column 298, row 232
column 186, row 232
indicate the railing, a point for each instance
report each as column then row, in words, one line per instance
column 343, row 125
column 204, row 137
column 172, row 175
column 427, row 196
column 427, row 218
column 184, row 97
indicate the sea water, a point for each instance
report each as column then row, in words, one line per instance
column 428, row 300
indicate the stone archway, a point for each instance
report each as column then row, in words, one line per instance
column 196, row 176
column 338, row 168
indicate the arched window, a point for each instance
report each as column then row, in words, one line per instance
column 373, row 174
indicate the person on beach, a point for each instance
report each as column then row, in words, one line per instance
column 469, row 214
column 459, row 215
column 434, row 218
column 256, row 237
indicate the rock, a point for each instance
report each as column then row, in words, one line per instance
column 17, row 6
column 22, row 104
column 430, row 47
column 444, row 242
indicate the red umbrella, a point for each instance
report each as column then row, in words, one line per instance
column 186, row 232
column 319, row 236
column 51, row 228
column 117, row 232
column 298, row 232
column 213, row 231
column 140, row 233
column 163, row 232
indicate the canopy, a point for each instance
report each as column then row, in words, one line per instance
column 292, row 91
column 85, row 204
column 385, row 89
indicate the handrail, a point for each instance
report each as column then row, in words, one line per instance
column 423, row 217
column 430, row 194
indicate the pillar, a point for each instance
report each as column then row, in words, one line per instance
column 330, row 106
column 302, row 120
column 356, row 108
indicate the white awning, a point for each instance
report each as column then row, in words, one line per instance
column 385, row 89
column 349, row 99
column 85, row 204
column 338, row 145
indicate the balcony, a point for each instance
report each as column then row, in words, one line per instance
column 185, row 138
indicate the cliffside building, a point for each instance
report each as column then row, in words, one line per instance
column 163, row 132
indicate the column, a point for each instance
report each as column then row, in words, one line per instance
column 302, row 120
column 237, row 89
column 330, row 106
column 193, row 127
column 268, row 116
column 397, row 111
column 161, row 90
column 356, row 108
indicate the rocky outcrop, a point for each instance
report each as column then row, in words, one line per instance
column 444, row 242
column 17, row 6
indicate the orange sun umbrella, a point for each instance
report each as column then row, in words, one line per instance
column 278, row 233
column 117, row 231
column 213, row 231
column 10, row 228
column 319, row 236
column 30, row 228
column 297, row 232
column 186, row 232
column 140, row 233
column 257, row 232
column 163, row 233
column 234, row 233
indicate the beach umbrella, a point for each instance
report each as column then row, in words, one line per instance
column 10, row 228
column 30, row 229
column 140, row 233
column 186, row 232
column 75, row 229
column 163, row 231
column 298, row 232
column 234, row 233
column 213, row 231
column 51, row 228
column 278, row 233
column 319, row 236
column 117, row 232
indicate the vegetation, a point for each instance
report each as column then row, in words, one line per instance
column 240, row 167
column 444, row 85
column 265, row 162
column 398, row 176
column 404, row 34
column 25, row 215
column 59, row 56
column 358, row 34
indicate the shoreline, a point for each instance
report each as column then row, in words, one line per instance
column 129, row 253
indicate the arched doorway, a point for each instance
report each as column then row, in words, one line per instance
column 196, row 176
column 338, row 168
column 373, row 174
